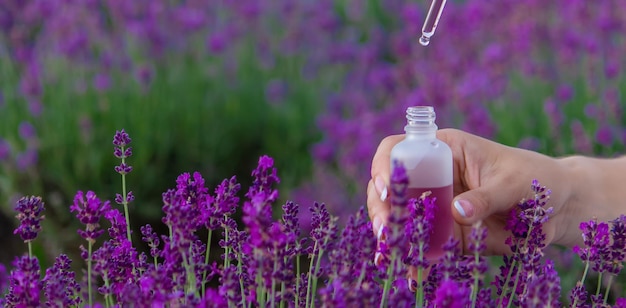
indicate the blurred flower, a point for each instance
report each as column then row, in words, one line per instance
column 276, row 91
column 26, row 130
column 5, row 149
column 29, row 214
column 101, row 82
column 217, row 42
column 26, row 159
column 25, row 286
column 604, row 135
column 451, row 294
column 35, row 106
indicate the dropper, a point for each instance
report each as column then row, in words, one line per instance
column 432, row 19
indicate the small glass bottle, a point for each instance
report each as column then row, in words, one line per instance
column 428, row 163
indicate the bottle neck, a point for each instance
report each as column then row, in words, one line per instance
column 420, row 123
column 421, row 132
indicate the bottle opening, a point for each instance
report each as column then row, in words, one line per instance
column 420, row 115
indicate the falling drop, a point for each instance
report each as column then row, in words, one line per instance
column 424, row 40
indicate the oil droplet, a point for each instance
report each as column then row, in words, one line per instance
column 424, row 40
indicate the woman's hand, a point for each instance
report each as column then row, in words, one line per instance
column 489, row 180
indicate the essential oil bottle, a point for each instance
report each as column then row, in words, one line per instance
column 428, row 163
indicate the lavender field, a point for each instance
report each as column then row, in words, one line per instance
column 301, row 92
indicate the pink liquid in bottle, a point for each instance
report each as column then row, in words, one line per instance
column 443, row 227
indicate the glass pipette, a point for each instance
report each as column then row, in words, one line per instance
column 432, row 19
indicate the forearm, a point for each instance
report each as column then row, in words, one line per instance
column 597, row 189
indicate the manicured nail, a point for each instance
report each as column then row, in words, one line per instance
column 381, row 188
column 412, row 284
column 377, row 225
column 381, row 235
column 464, row 207
column 378, row 257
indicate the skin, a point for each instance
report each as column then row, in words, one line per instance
column 493, row 178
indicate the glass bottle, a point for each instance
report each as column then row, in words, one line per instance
column 428, row 163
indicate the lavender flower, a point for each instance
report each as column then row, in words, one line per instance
column 451, row 295
column 543, row 288
column 89, row 209
column 5, row 150
column 527, row 242
column 121, row 140
column 152, row 239
column 60, row 286
column 618, row 245
column 24, row 286
column 29, row 213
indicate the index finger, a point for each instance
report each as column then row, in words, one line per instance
column 378, row 209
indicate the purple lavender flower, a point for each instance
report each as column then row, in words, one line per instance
column 596, row 239
column 29, row 213
column 418, row 230
column 24, row 286
column 527, row 242
column 121, row 140
column 451, row 294
column 543, row 288
column 89, row 209
column 117, row 231
column 351, row 269
column 578, row 295
column 152, row 239
column 26, row 131
column 618, row 245
column 5, row 150
column 60, row 286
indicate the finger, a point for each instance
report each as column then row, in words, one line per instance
column 381, row 161
column 377, row 209
column 377, row 191
column 482, row 202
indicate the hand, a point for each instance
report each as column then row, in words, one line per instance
column 489, row 180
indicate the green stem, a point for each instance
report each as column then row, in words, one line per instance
column 90, row 295
column 226, row 248
column 30, row 249
column 272, row 292
column 317, row 268
column 608, row 287
column 387, row 284
column 107, row 298
column 309, row 278
column 297, row 282
column 125, row 200
column 419, row 293
column 519, row 269
column 206, row 260
column 476, row 274
column 505, row 288
column 582, row 281
column 240, row 273
column 599, row 283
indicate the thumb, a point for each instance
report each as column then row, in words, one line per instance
column 482, row 202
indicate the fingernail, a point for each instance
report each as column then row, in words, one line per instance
column 376, row 224
column 378, row 257
column 381, row 235
column 412, row 284
column 464, row 207
column 381, row 188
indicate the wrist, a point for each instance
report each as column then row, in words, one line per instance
column 593, row 190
